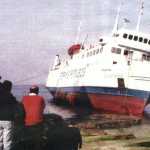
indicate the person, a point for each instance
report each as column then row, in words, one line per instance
column 34, row 107
column 7, row 106
column 1, row 88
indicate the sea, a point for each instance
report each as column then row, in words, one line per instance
column 67, row 112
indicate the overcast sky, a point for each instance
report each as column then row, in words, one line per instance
column 32, row 32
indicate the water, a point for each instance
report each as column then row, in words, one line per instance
column 20, row 90
column 66, row 112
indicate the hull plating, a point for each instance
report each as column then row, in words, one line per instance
column 118, row 104
column 114, row 101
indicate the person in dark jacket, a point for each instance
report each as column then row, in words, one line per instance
column 1, row 88
column 7, row 106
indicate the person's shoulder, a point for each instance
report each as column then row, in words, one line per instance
column 25, row 97
column 12, row 97
column 41, row 96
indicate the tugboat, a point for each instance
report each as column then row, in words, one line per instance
column 112, row 76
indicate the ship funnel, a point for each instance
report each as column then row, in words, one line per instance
column 56, row 61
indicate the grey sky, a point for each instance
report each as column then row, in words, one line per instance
column 33, row 31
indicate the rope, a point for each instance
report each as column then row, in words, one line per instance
column 30, row 78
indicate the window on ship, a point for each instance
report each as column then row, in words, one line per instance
column 87, row 55
column 97, row 51
column 125, row 35
column 116, row 50
column 146, row 57
column 90, row 53
column 101, row 40
column 128, row 52
column 121, row 83
column 94, row 52
column 145, row 40
column 135, row 38
column 130, row 37
column 140, row 39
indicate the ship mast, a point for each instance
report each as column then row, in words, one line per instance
column 141, row 3
column 115, row 28
column 78, row 33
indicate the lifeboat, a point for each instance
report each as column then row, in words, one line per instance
column 74, row 49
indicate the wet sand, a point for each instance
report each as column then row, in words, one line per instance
column 132, row 134
column 136, row 137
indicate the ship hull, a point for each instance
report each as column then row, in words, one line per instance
column 109, row 100
column 118, row 104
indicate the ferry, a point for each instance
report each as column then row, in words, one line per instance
column 111, row 76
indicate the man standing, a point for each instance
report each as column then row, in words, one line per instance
column 34, row 106
column 7, row 106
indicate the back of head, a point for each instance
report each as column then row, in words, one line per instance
column 34, row 89
column 7, row 85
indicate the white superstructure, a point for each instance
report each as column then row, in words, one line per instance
column 126, row 56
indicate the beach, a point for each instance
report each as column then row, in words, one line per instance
column 135, row 137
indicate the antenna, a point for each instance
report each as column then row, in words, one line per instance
column 85, row 39
column 78, row 33
column 115, row 28
column 141, row 3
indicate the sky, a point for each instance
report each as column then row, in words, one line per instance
column 32, row 32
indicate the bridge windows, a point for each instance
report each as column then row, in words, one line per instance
column 140, row 39
column 136, row 38
column 130, row 37
column 125, row 35
column 145, row 41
